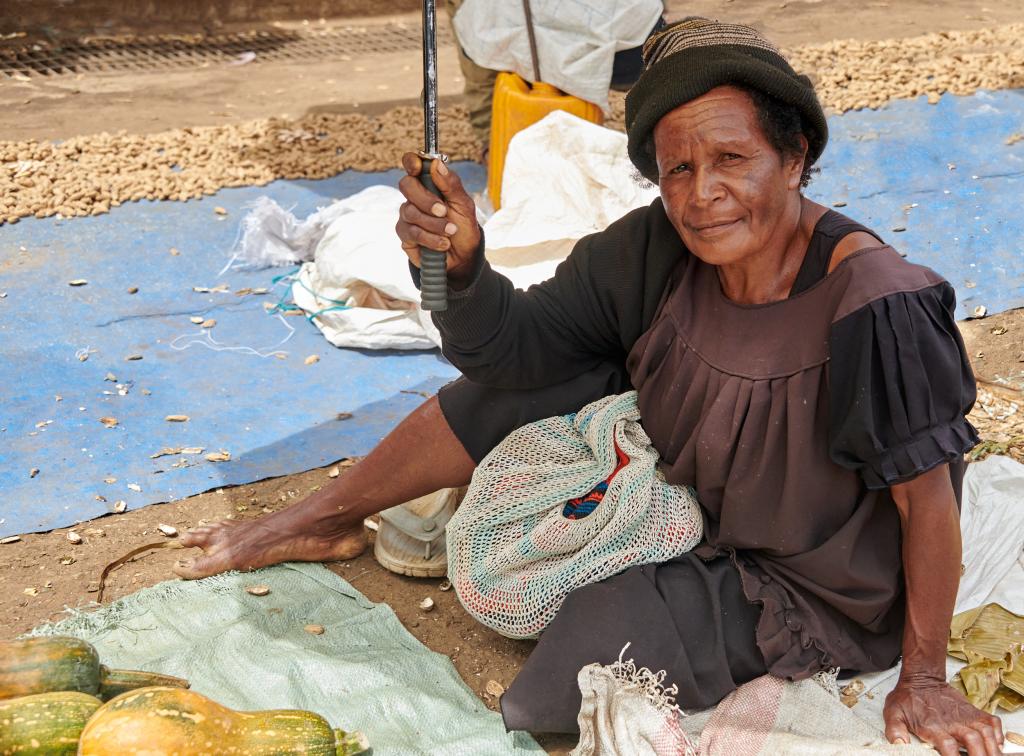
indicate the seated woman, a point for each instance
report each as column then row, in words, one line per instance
column 808, row 382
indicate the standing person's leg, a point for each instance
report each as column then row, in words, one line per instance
column 478, row 88
column 437, row 446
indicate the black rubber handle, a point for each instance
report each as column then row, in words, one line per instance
column 433, row 264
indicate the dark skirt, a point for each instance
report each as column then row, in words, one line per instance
column 687, row 617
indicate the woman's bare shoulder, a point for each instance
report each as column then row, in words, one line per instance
column 849, row 244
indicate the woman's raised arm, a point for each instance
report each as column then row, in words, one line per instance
column 593, row 309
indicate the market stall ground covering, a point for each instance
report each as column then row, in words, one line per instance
column 272, row 416
column 310, row 641
column 948, row 176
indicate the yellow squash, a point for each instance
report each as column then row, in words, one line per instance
column 172, row 720
column 45, row 724
column 56, row 663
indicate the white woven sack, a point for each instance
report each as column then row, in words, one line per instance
column 512, row 555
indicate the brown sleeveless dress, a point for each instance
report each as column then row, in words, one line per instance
column 756, row 426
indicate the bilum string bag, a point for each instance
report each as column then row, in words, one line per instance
column 559, row 504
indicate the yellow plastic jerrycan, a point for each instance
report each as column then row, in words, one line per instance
column 518, row 104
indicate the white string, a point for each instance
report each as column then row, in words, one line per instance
column 650, row 683
column 234, row 247
column 231, row 262
column 203, row 338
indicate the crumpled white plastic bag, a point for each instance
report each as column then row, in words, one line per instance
column 564, row 178
column 271, row 236
column 359, row 265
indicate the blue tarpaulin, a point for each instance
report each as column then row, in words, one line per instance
column 943, row 173
column 946, row 175
column 273, row 416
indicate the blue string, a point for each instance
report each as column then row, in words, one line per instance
column 278, row 279
column 283, row 306
column 318, row 313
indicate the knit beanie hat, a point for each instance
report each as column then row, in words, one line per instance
column 693, row 56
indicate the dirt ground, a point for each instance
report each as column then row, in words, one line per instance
column 42, row 574
column 56, row 108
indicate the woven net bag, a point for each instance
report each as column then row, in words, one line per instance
column 513, row 555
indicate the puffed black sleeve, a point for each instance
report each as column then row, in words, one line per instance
column 900, row 387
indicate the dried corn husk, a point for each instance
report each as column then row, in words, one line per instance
column 990, row 639
column 989, row 631
column 1006, row 699
column 980, row 680
column 1013, row 678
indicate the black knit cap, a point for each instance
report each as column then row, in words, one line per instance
column 690, row 58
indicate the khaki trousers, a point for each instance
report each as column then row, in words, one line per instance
column 478, row 89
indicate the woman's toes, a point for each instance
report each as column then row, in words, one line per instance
column 196, row 536
column 193, row 569
column 184, row 568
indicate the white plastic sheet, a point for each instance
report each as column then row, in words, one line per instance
column 576, row 39
column 564, row 178
column 359, row 265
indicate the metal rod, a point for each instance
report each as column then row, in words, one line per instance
column 430, row 78
column 433, row 264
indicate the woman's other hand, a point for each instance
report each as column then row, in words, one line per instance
column 942, row 717
column 446, row 223
column 922, row 703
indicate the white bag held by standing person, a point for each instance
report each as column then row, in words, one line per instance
column 576, row 42
column 514, row 550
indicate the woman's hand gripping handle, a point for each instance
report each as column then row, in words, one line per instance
column 437, row 227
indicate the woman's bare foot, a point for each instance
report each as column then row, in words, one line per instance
column 297, row 534
column 421, row 455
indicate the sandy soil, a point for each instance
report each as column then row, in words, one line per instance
column 64, row 574
column 44, row 573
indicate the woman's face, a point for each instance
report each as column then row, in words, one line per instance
column 724, row 186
